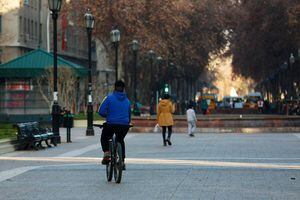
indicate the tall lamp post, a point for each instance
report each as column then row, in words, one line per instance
column 170, row 74
column 115, row 37
column 135, row 47
column 89, row 19
column 292, row 61
column 283, row 68
column 54, row 7
column 159, row 61
column 151, row 55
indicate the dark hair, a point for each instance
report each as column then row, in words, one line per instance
column 166, row 96
column 190, row 106
column 119, row 85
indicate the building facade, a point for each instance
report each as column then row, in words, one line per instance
column 26, row 25
column 22, row 24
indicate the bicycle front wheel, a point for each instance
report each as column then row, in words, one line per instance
column 118, row 166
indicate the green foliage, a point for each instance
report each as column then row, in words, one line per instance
column 7, row 131
column 83, row 116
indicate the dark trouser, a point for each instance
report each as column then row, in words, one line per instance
column 164, row 130
column 107, row 133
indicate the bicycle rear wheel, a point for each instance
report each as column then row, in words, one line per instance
column 118, row 164
column 110, row 164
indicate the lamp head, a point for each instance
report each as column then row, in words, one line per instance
column 135, row 45
column 292, row 59
column 115, row 35
column 89, row 19
column 151, row 54
column 54, row 5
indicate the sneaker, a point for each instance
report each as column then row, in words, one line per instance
column 165, row 143
column 192, row 135
column 169, row 142
column 106, row 158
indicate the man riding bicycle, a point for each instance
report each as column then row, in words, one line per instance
column 116, row 109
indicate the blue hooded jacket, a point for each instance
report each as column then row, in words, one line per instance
column 116, row 109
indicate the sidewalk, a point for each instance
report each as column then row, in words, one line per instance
column 207, row 166
column 212, row 124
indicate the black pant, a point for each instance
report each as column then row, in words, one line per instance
column 108, row 131
column 164, row 130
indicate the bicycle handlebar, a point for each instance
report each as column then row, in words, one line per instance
column 98, row 125
column 102, row 125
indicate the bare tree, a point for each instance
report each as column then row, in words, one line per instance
column 67, row 90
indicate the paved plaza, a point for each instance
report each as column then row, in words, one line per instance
column 208, row 166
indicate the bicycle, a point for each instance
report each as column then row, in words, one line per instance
column 115, row 163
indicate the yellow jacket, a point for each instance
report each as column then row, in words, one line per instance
column 164, row 113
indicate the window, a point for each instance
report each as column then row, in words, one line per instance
column 26, row 2
column 35, row 4
column 31, row 3
column 20, row 25
column 0, row 23
column 40, row 34
column 35, row 30
column 28, row 26
column 31, row 30
column 25, row 26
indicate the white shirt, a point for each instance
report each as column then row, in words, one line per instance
column 260, row 104
column 190, row 114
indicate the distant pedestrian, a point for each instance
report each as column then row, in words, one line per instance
column 260, row 105
column 61, row 118
column 191, row 119
column 165, row 118
column 204, row 106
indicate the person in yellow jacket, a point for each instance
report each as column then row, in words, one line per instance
column 165, row 118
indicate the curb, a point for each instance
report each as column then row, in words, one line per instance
column 223, row 130
column 7, row 146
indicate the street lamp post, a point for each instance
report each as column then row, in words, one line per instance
column 292, row 61
column 54, row 7
column 151, row 55
column 115, row 39
column 283, row 68
column 89, row 19
column 170, row 75
column 297, row 83
column 135, row 47
column 159, row 61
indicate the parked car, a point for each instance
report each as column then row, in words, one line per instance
column 251, row 100
column 231, row 102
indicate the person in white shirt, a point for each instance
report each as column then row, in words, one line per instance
column 260, row 105
column 191, row 119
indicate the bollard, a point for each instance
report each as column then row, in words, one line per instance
column 68, row 123
column 68, row 134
